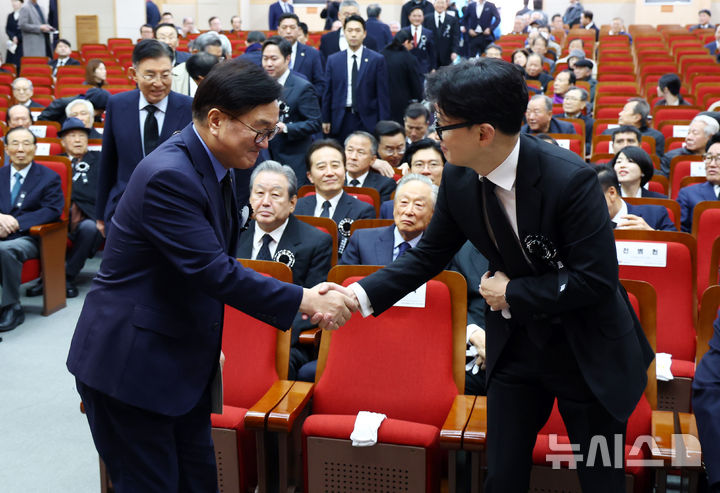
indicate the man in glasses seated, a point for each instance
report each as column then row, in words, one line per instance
column 137, row 122
column 689, row 197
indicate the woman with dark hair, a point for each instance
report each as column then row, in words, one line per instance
column 519, row 57
column 14, row 34
column 95, row 73
column 669, row 89
column 634, row 169
column 404, row 80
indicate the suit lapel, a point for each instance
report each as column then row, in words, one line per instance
column 469, row 188
column 529, row 198
column 363, row 66
column 342, row 208
column 299, row 57
column 384, row 246
column 133, row 124
column 291, row 236
column 244, row 249
column 5, row 205
column 168, row 128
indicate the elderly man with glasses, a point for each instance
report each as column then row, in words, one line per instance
column 690, row 196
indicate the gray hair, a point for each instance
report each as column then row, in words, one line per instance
column 584, row 96
column 368, row 136
column 422, row 179
column 211, row 37
column 20, row 79
column 546, row 99
column 349, row 3
column 711, row 124
column 84, row 102
column 373, row 11
column 280, row 169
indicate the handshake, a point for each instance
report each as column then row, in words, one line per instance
column 329, row 305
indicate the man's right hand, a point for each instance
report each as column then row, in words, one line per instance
column 326, row 128
column 100, row 225
column 477, row 339
column 8, row 225
column 328, row 305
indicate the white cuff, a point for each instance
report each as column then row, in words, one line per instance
column 365, row 306
column 471, row 328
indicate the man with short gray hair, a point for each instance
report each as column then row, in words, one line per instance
column 335, row 41
column 377, row 29
column 23, row 91
column 539, row 116
column 83, row 110
column 701, row 128
column 360, row 154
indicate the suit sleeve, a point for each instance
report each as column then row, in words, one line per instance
column 686, row 211
column 415, row 83
column 665, row 223
column 52, row 202
column 310, row 110
column 404, row 21
column 496, row 17
column 455, row 36
column 587, row 251
column 383, row 96
column 351, row 254
column 367, row 212
column 387, row 187
column 432, row 54
column 108, row 163
column 318, row 74
column 327, row 95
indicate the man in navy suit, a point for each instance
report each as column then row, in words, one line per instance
column 305, row 59
column 136, row 122
column 326, row 170
column 713, row 45
column 377, row 30
column 629, row 216
column 423, row 41
column 356, row 95
column 167, row 33
column 253, row 50
column 427, row 8
column 360, row 154
column 690, row 196
column 558, row 326
column 146, row 348
column 30, row 194
column 276, row 10
column 413, row 208
column 276, row 234
column 481, row 20
column 334, row 41
column 446, row 33
column 63, row 49
column 299, row 113
column 540, row 119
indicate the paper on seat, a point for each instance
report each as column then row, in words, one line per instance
column 366, row 428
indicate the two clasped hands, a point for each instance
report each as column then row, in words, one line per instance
column 329, row 305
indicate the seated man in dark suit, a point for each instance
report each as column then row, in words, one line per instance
column 534, row 71
column 712, row 46
column 628, row 216
column 574, row 102
column 83, row 110
column 414, row 204
column 635, row 113
column 623, row 136
column 277, row 235
column 305, row 59
column 701, row 128
column 690, row 196
column 23, row 91
column 391, row 141
column 704, row 16
column 360, row 153
column 63, row 49
column 253, row 47
column 30, row 194
column 540, row 120
column 325, row 161
column 137, row 122
column 417, row 122
column 423, row 41
column 83, row 233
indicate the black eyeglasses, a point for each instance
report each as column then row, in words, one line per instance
column 260, row 135
column 441, row 129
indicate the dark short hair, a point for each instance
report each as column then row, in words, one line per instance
column 166, row 13
column 638, row 156
column 283, row 45
column 623, row 129
column 304, row 28
column 15, row 129
column 607, row 177
column 482, row 90
column 319, row 144
column 672, row 82
column 354, row 18
column 493, row 46
column 255, row 37
column 715, row 139
column 65, row 42
column 289, row 15
column 387, row 128
column 572, row 78
column 414, row 7
column 588, row 14
column 416, row 110
column 164, row 24
column 542, row 38
column 212, row 19
column 705, row 11
column 556, row 15
column 236, row 87
column 150, row 48
column 420, row 145
column 146, row 25
column 200, row 64
column 642, row 108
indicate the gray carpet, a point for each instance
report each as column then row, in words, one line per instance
column 45, row 442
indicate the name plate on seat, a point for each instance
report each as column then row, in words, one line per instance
column 641, row 254
column 680, row 130
column 564, row 143
column 414, row 299
column 43, row 149
column 39, row 131
column 697, row 168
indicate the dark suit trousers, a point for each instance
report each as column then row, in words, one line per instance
column 478, row 44
column 13, row 253
column 86, row 241
column 350, row 123
column 521, row 392
column 149, row 452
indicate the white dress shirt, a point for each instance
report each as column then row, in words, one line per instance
column 439, row 18
column 360, row 178
column 284, row 77
column 159, row 115
column 23, row 173
column 398, row 239
column 333, row 204
column 716, row 188
column 617, row 219
column 342, row 42
column 350, row 53
column 276, row 234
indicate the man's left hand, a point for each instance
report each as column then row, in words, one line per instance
column 492, row 288
column 631, row 221
column 383, row 167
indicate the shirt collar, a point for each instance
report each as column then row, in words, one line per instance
column 360, row 178
column 504, row 175
column 617, row 219
column 284, row 77
column 220, row 170
column 23, row 172
column 161, row 105
column 359, row 52
column 397, row 239
column 276, row 234
column 333, row 201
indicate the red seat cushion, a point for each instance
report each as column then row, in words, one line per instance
column 682, row 368
column 233, row 418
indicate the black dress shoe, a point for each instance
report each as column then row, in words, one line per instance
column 71, row 291
column 11, row 317
column 35, row 290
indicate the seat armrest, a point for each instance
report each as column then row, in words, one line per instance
column 284, row 414
column 476, row 429
column 47, row 228
column 663, row 427
column 310, row 337
column 256, row 416
column 451, row 433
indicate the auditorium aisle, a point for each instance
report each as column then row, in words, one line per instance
column 45, row 442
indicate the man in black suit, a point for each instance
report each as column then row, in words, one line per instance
column 63, row 49
column 304, row 59
column 299, row 111
column 167, row 33
column 391, row 141
column 360, row 154
column 23, row 91
column 481, row 20
column 335, row 41
column 325, row 161
column 417, row 122
column 423, row 41
column 704, row 17
column 586, row 19
column 446, row 33
column 253, row 50
column 276, row 234
column 540, row 118
column 427, row 9
column 558, row 325
column 574, row 103
column 377, row 29
column 635, row 113
column 700, row 130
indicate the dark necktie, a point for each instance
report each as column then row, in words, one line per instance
column 402, row 248
column 151, row 133
column 226, row 186
column 16, row 187
column 354, row 182
column 325, row 209
column 718, row 195
column 264, row 253
column 354, row 83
